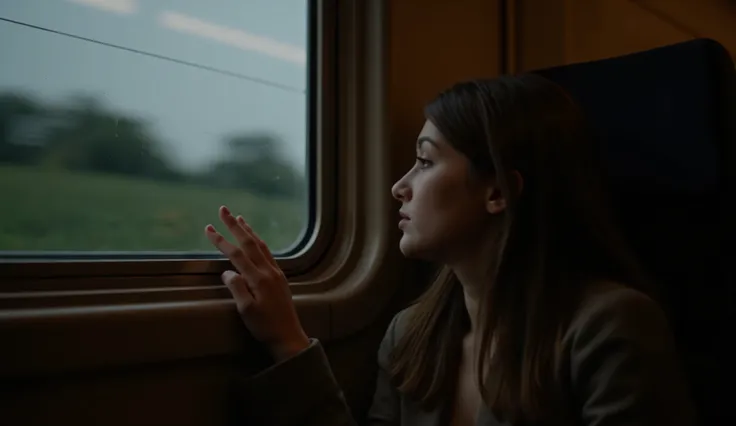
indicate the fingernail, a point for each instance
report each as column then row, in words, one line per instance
column 210, row 228
column 225, row 209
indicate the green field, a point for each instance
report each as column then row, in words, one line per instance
column 42, row 210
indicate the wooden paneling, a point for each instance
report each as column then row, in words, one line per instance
column 433, row 44
column 715, row 19
column 539, row 34
column 605, row 28
column 557, row 32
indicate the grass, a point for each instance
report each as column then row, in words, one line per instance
column 45, row 210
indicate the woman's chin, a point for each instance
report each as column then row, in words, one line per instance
column 412, row 250
column 406, row 247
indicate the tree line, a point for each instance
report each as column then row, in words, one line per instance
column 84, row 135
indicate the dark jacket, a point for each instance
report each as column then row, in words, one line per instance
column 619, row 368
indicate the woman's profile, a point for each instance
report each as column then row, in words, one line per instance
column 539, row 315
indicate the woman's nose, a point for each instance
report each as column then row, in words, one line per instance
column 401, row 191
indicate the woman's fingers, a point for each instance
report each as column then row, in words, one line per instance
column 251, row 256
column 264, row 250
column 239, row 289
column 238, row 256
column 232, row 225
column 247, row 239
column 260, row 290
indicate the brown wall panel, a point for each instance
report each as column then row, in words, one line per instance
column 556, row 32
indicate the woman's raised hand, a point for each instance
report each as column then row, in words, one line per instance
column 260, row 288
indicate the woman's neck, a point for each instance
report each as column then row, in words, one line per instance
column 473, row 281
column 473, row 269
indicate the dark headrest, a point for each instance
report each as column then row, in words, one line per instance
column 658, row 112
column 665, row 121
column 662, row 119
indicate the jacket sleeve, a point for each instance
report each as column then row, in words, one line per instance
column 302, row 391
column 623, row 365
column 385, row 410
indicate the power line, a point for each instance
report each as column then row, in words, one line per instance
column 162, row 57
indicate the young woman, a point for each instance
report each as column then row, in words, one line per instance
column 539, row 315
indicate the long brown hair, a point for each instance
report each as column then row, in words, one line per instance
column 556, row 237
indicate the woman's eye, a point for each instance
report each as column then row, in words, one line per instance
column 423, row 162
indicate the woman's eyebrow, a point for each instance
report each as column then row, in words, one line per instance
column 427, row 139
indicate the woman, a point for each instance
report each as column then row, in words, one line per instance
column 539, row 315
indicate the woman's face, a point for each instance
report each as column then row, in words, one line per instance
column 444, row 209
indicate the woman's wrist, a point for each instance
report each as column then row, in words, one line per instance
column 287, row 350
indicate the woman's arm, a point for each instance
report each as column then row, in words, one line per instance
column 303, row 391
column 300, row 388
column 298, row 391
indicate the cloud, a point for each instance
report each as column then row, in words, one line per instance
column 233, row 37
column 122, row 7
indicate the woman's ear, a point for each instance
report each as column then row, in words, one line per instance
column 516, row 183
column 495, row 200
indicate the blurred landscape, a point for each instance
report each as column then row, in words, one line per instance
column 80, row 176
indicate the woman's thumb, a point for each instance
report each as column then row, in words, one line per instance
column 239, row 289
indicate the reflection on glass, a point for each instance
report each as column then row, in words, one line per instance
column 125, row 124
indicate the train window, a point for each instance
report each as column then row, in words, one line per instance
column 125, row 124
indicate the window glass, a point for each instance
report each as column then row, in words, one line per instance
column 125, row 124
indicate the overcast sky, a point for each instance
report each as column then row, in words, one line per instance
column 190, row 108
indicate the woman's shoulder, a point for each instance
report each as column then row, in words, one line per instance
column 621, row 360
column 615, row 311
column 401, row 320
column 610, row 299
column 398, row 324
column 394, row 332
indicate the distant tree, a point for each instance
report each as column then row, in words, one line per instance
column 93, row 139
column 254, row 162
column 82, row 134
column 22, row 121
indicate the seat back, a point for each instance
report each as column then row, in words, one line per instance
column 666, row 123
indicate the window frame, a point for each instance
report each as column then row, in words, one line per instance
column 354, row 286
column 339, row 286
